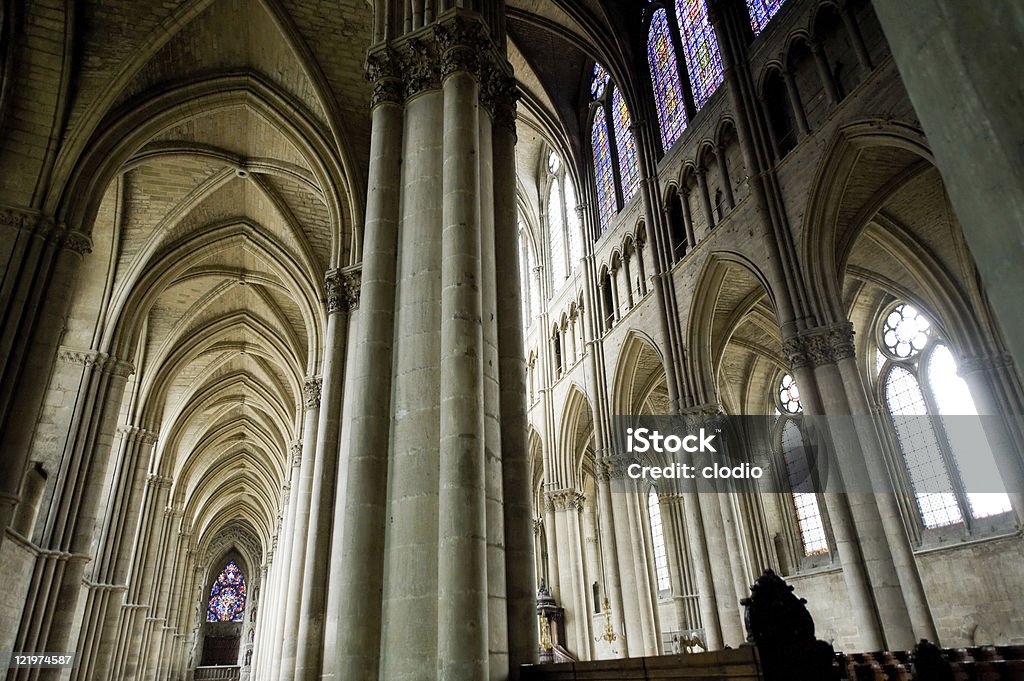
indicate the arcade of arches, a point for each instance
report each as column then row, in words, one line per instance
column 316, row 317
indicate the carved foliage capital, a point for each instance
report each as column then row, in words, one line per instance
column 342, row 288
column 820, row 346
column 311, row 391
column 98, row 360
column 384, row 70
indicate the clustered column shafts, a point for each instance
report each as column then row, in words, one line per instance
column 283, row 652
column 341, row 288
column 43, row 260
column 441, row 148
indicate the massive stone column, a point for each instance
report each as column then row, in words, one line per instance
column 436, row 464
column 283, row 661
column 74, row 512
column 286, row 625
column 355, row 589
column 108, row 581
column 342, row 295
column 878, row 563
column 41, row 261
column 948, row 49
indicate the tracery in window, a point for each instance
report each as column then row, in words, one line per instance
column 805, row 500
column 599, row 81
column 905, row 331
column 658, row 541
column 668, row 90
column 919, row 445
column 227, row 597
column 789, row 395
column 625, row 145
column 761, row 12
column 944, row 464
column 603, row 171
column 700, row 49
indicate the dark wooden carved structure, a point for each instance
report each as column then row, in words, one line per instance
column 779, row 624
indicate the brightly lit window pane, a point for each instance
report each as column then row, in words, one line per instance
column 920, row 447
column 966, row 437
column 556, row 232
column 658, row 537
column 805, row 500
column 572, row 224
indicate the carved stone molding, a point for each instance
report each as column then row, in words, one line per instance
column 457, row 44
column 158, row 481
column 18, row 218
column 342, row 290
column 499, row 94
column 421, row 67
column 820, row 346
column 311, row 391
column 384, row 70
column 332, row 285
column 43, row 226
column 351, row 283
column 296, row 450
column 99, row 360
column 77, row 242
column 136, row 434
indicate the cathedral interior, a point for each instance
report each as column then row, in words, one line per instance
column 317, row 319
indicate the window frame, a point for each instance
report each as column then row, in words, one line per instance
column 798, row 557
column 969, row 527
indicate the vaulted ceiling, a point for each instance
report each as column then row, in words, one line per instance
column 223, row 147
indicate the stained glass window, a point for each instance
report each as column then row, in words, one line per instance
column 603, row 169
column 761, row 12
column 668, row 91
column 227, row 597
column 625, row 145
column 599, row 81
column 805, row 500
column 700, row 49
column 658, row 540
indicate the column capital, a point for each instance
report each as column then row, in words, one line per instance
column 342, row 286
column 135, row 433
column 97, row 359
column 311, row 389
column 384, row 69
column 158, row 481
column 820, row 346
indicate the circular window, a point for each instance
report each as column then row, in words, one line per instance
column 905, row 331
column 789, row 395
